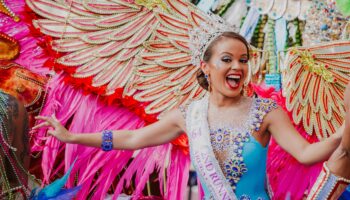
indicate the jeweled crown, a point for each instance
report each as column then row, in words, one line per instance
column 203, row 35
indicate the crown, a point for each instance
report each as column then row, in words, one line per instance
column 202, row 35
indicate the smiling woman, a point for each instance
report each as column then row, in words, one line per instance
column 228, row 132
column 230, row 58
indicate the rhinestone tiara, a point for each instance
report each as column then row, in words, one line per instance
column 204, row 34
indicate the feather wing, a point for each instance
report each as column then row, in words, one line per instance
column 314, row 85
column 140, row 47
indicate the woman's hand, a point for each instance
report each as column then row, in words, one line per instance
column 58, row 131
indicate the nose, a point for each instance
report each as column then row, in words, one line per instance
column 235, row 66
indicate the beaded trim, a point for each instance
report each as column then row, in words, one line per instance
column 326, row 184
column 247, row 197
column 228, row 142
column 7, row 11
column 9, row 153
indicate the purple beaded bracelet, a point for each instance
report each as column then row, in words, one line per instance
column 107, row 140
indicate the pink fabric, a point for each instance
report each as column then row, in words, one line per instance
column 31, row 55
column 287, row 177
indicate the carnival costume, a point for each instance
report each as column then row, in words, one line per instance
column 137, row 57
column 241, row 170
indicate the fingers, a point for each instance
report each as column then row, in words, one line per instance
column 41, row 117
column 48, row 121
column 54, row 118
column 43, row 124
column 51, row 132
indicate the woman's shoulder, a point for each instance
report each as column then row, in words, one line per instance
column 183, row 108
column 264, row 106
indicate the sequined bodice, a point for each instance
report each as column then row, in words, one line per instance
column 242, row 158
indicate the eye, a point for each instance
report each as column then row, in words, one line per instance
column 243, row 60
column 226, row 59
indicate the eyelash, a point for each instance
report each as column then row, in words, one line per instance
column 228, row 60
column 243, row 61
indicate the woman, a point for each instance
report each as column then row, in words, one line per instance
column 228, row 132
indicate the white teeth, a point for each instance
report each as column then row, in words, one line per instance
column 234, row 76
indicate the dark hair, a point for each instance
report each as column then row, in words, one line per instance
column 209, row 52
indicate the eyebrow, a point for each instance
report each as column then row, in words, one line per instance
column 233, row 55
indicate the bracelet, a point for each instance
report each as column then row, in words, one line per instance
column 107, row 140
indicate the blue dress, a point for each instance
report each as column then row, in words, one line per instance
column 241, row 157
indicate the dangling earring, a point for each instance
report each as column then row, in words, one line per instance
column 206, row 76
column 247, row 90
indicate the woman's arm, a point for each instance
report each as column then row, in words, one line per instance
column 163, row 131
column 281, row 128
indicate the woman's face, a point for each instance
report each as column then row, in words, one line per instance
column 227, row 67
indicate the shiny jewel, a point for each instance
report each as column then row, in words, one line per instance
column 244, row 197
column 324, row 27
column 234, row 171
column 219, row 138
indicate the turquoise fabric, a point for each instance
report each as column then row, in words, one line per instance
column 252, row 183
column 247, row 177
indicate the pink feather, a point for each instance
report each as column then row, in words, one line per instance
column 31, row 55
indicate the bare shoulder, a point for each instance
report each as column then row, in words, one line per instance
column 276, row 115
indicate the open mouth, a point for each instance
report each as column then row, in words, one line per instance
column 233, row 80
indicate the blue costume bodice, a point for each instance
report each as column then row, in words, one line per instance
column 241, row 157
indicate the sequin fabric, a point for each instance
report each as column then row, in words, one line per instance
column 247, row 197
column 228, row 142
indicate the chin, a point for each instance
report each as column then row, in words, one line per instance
column 232, row 93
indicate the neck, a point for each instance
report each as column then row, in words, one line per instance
column 220, row 100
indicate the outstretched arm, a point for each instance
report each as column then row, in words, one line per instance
column 283, row 131
column 163, row 131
